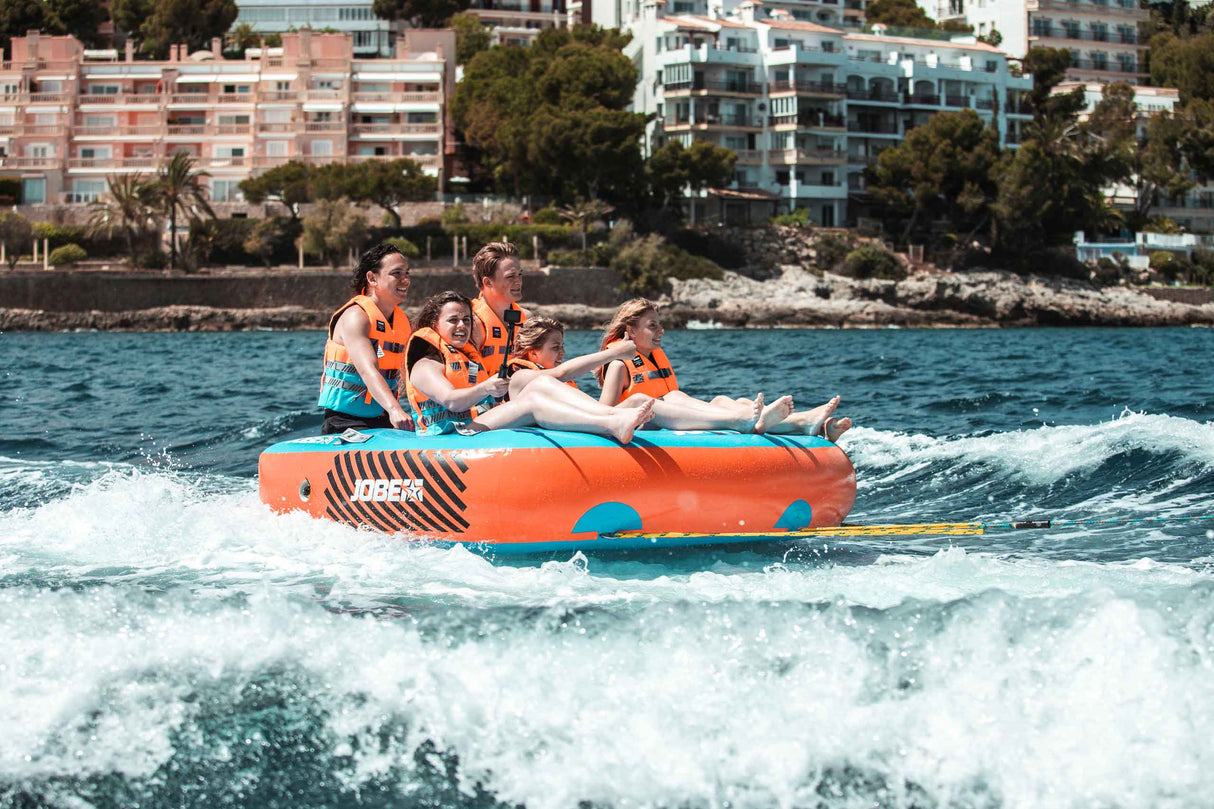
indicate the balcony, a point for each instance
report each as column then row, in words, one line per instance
column 707, row 87
column 190, row 98
column 326, row 95
column 984, row 103
column 112, row 163
column 279, row 96
column 809, row 120
column 236, row 98
column 873, row 127
column 1106, row 66
column 809, row 87
column 922, row 100
column 114, row 99
column 118, row 131
column 814, row 157
column 30, row 162
column 749, row 155
column 709, row 120
column 961, row 102
column 324, row 126
column 880, row 95
column 279, row 127
column 396, row 98
column 233, row 129
column 1115, row 37
column 423, row 160
column 186, row 129
column 397, row 129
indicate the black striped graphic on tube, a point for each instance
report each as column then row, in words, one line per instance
column 439, row 511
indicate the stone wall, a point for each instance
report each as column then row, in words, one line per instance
column 1193, row 297
column 323, row 290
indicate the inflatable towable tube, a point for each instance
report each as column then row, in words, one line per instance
column 529, row 490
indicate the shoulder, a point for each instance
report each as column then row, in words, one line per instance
column 353, row 322
column 422, row 350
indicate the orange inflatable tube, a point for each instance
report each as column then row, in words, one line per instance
column 528, row 490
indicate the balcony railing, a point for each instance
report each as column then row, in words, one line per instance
column 118, row 131
column 749, row 88
column 324, row 126
column 397, row 98
column 1091, row 36
column 705, row 119
column 277, row 126
column 923, row 100
column 112, row 99
column 984, row 103
column 820, row 87
column 186, row 129
column 236, row 98
column 888, row 96
column 30, row 162
column 814, row 156
column 809, row 120
column 956, row 101
column 397, row 129
column 1111, row 66
column 189, row 98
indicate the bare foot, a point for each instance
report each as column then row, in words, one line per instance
column 809, row 422
column 774, row 413
column 626, row 421
column 750, row 416
column 833, row 428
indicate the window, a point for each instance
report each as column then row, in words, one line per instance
column 322, row 147
column 86, row 190
column 226, row 191
column 232, row 89
column 99, row 120
column 273, row 116
column 103, row 89
column 364, row 39
column 95, row 152
column 230, row 120
column 229, row 151
column 39, row 150
column 33, row 190
column 276, row 148
column 282, row 86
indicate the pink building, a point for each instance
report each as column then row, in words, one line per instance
column 69, row 118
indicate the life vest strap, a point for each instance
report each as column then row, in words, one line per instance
column 344, row 384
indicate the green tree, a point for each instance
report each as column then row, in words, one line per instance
column 241, row 38
column 551, row 119
column 941, row 170
column 289, row 185
column 16, row 233
column 420, row 13
column 19, row 16
column 1048, row 67
column 674, row 169
column 386, row 183
column 264, row 239
column 471, row 37
column 582, row 214
column 1186, row 64
column 157, row 24
column 80, row 18
column 899, row 14
column 333, row 230
column 128, row 207
column 180, row 194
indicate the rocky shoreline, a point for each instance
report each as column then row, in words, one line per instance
column 795, row 297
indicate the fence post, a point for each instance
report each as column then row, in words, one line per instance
column 535, row 247
column 35, row 250
column 301, row 256
column 427, row 248
column 46, row 254
column 455, row 251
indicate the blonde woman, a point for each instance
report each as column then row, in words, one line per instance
column 649, row 372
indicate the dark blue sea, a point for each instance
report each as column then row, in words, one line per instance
column 167, row 641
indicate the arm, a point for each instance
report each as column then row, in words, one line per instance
column 572, row 369
column 477, row 338
column 613, row 383
column 351, row 331
column 428, row 377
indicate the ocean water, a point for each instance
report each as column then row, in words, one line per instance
column 166, row 641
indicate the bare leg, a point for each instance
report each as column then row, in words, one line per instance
column 808, row 422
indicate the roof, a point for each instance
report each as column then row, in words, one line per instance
column 797, row 25
column 698, row 23
column 755, row 194
column 726, row 23
column 935, row 43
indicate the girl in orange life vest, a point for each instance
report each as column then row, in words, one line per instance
column 447, row 391
column 360, row 385
column 650, row 373
column 499, row 278
column 540, row 346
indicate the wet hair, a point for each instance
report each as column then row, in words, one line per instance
column 428, row 317
column 487, row 259
column 625, row 317
column 370, row 261
column 534, row 331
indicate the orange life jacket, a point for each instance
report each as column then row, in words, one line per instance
column 650, row 375
column 462, row 369
column 517, row 363
column 494, row 347
column 341, row 387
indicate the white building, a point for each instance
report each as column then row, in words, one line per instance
column 371, row 35
column 1102, row 35
column 1193, row 211
column 806, row 107
column 518, row 22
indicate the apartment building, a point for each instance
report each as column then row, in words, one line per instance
column 371, row 35
column 1103, row 36
column 519, row 22
column 806, row 106
column 68, row 121
column 1193, row 211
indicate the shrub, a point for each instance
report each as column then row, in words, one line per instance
column 404, row 245
column 798, row 218
column 1160, row 224
column 263, row 240
column 648, row 264
column 334, row 229
column 565, row 258
column 546, row 216
column 16, row 233
column 151, row 259
column 552, row 236
column 831, row 249
column 58, row 235
column 67, row 255
column 454, row 214
column 1161, row 258
column 1203, row 266
column 870, row 261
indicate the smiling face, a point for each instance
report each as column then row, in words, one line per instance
column 506, row 282
column 647, row 333
column 551, row 350
column 454, row 323
column 391, row 283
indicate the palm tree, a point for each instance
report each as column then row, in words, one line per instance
column 242, row 37
column 129, row 207
column 582, row 213
column 179, row 191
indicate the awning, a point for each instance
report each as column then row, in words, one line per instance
column 207, row 78
column 279, row 76
column 321, row 106
column 419, row 77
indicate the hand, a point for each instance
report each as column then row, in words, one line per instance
column 496, row 386
column 400, row 420
column 623, row 349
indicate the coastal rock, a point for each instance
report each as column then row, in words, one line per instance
column 164, row 318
